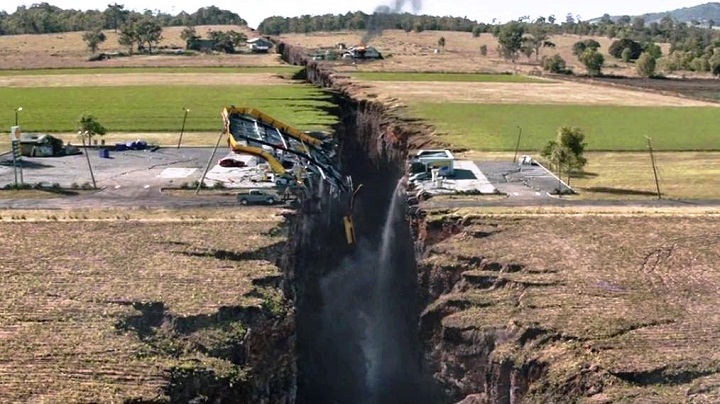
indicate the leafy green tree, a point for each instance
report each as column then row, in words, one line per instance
column 88, row 126
column 646, row 65
column 93, row 39
column 189, row 34
column 653, row 50
column 510, row 39
column 128, row 34
column 226, row 41
column 616, row 48
column 626, row 55
column 574, row 139
column 715, row 62
column 593, row 62
column 579, row 47
column 539, row 35
column 638, row 23
column 554, row 64
column 115, row 16
column 148, row 31
column 700, row 64
column 566, row 152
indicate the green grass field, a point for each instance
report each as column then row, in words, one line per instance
column 611, row 128
column 159, row 108
column 449, row 77
column 125, row 70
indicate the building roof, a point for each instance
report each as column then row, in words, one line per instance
column 254, row 40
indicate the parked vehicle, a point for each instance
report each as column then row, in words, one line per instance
column 257, row 196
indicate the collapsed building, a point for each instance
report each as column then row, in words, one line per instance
column 44, row 145
column 303, row 164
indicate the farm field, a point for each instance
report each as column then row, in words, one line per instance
column 415, row 51
column 159, row 108
column 103, row 320
column 610, row 128
column 629, row 299
column 445, row 77
column 169, row 69
column 68, row 50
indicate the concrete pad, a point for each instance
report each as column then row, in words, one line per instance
column 176, row 173
column 468, row 178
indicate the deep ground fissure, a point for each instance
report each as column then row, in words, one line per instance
column 357, row 307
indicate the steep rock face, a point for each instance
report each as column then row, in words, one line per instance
column 372, row 149
column 561, row 308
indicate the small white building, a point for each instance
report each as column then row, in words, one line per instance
column 259, row 45
column 436, row 159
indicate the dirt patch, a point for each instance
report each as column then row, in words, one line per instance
column 569, row 298
column 143, row 79
column 59, row 334
column 565, row 93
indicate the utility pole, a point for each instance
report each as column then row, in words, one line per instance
column 655, row 173
column 517, row 147
column 182, row 130
column 207, row 167
column 17, row 112
column 87, row 156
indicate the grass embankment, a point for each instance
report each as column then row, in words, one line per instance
column 122, row 70
column 447, row 77
column 610, row 128
column 159, row 108
column 101, row 316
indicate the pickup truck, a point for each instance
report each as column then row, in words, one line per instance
column 257, row 196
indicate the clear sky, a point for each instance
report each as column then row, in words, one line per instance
column 480, row 10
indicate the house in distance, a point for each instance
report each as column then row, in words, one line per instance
column 259, row 45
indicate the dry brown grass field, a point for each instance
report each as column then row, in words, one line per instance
column 71, row 280
column 415, row 51
column 551, row 92
column 629, row 301
column 69, row 50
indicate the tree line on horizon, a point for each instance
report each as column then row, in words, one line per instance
column 694, row 45
column 43, row 18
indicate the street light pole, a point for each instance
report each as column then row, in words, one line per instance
column 84, row 135
column 182, row 130
column 17, row 111
column 654, row 167
column 517, row 147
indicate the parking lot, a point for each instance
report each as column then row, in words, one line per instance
column 123, row 172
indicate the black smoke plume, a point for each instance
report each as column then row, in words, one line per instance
column 381, row 18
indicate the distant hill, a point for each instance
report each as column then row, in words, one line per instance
column 701, row 13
